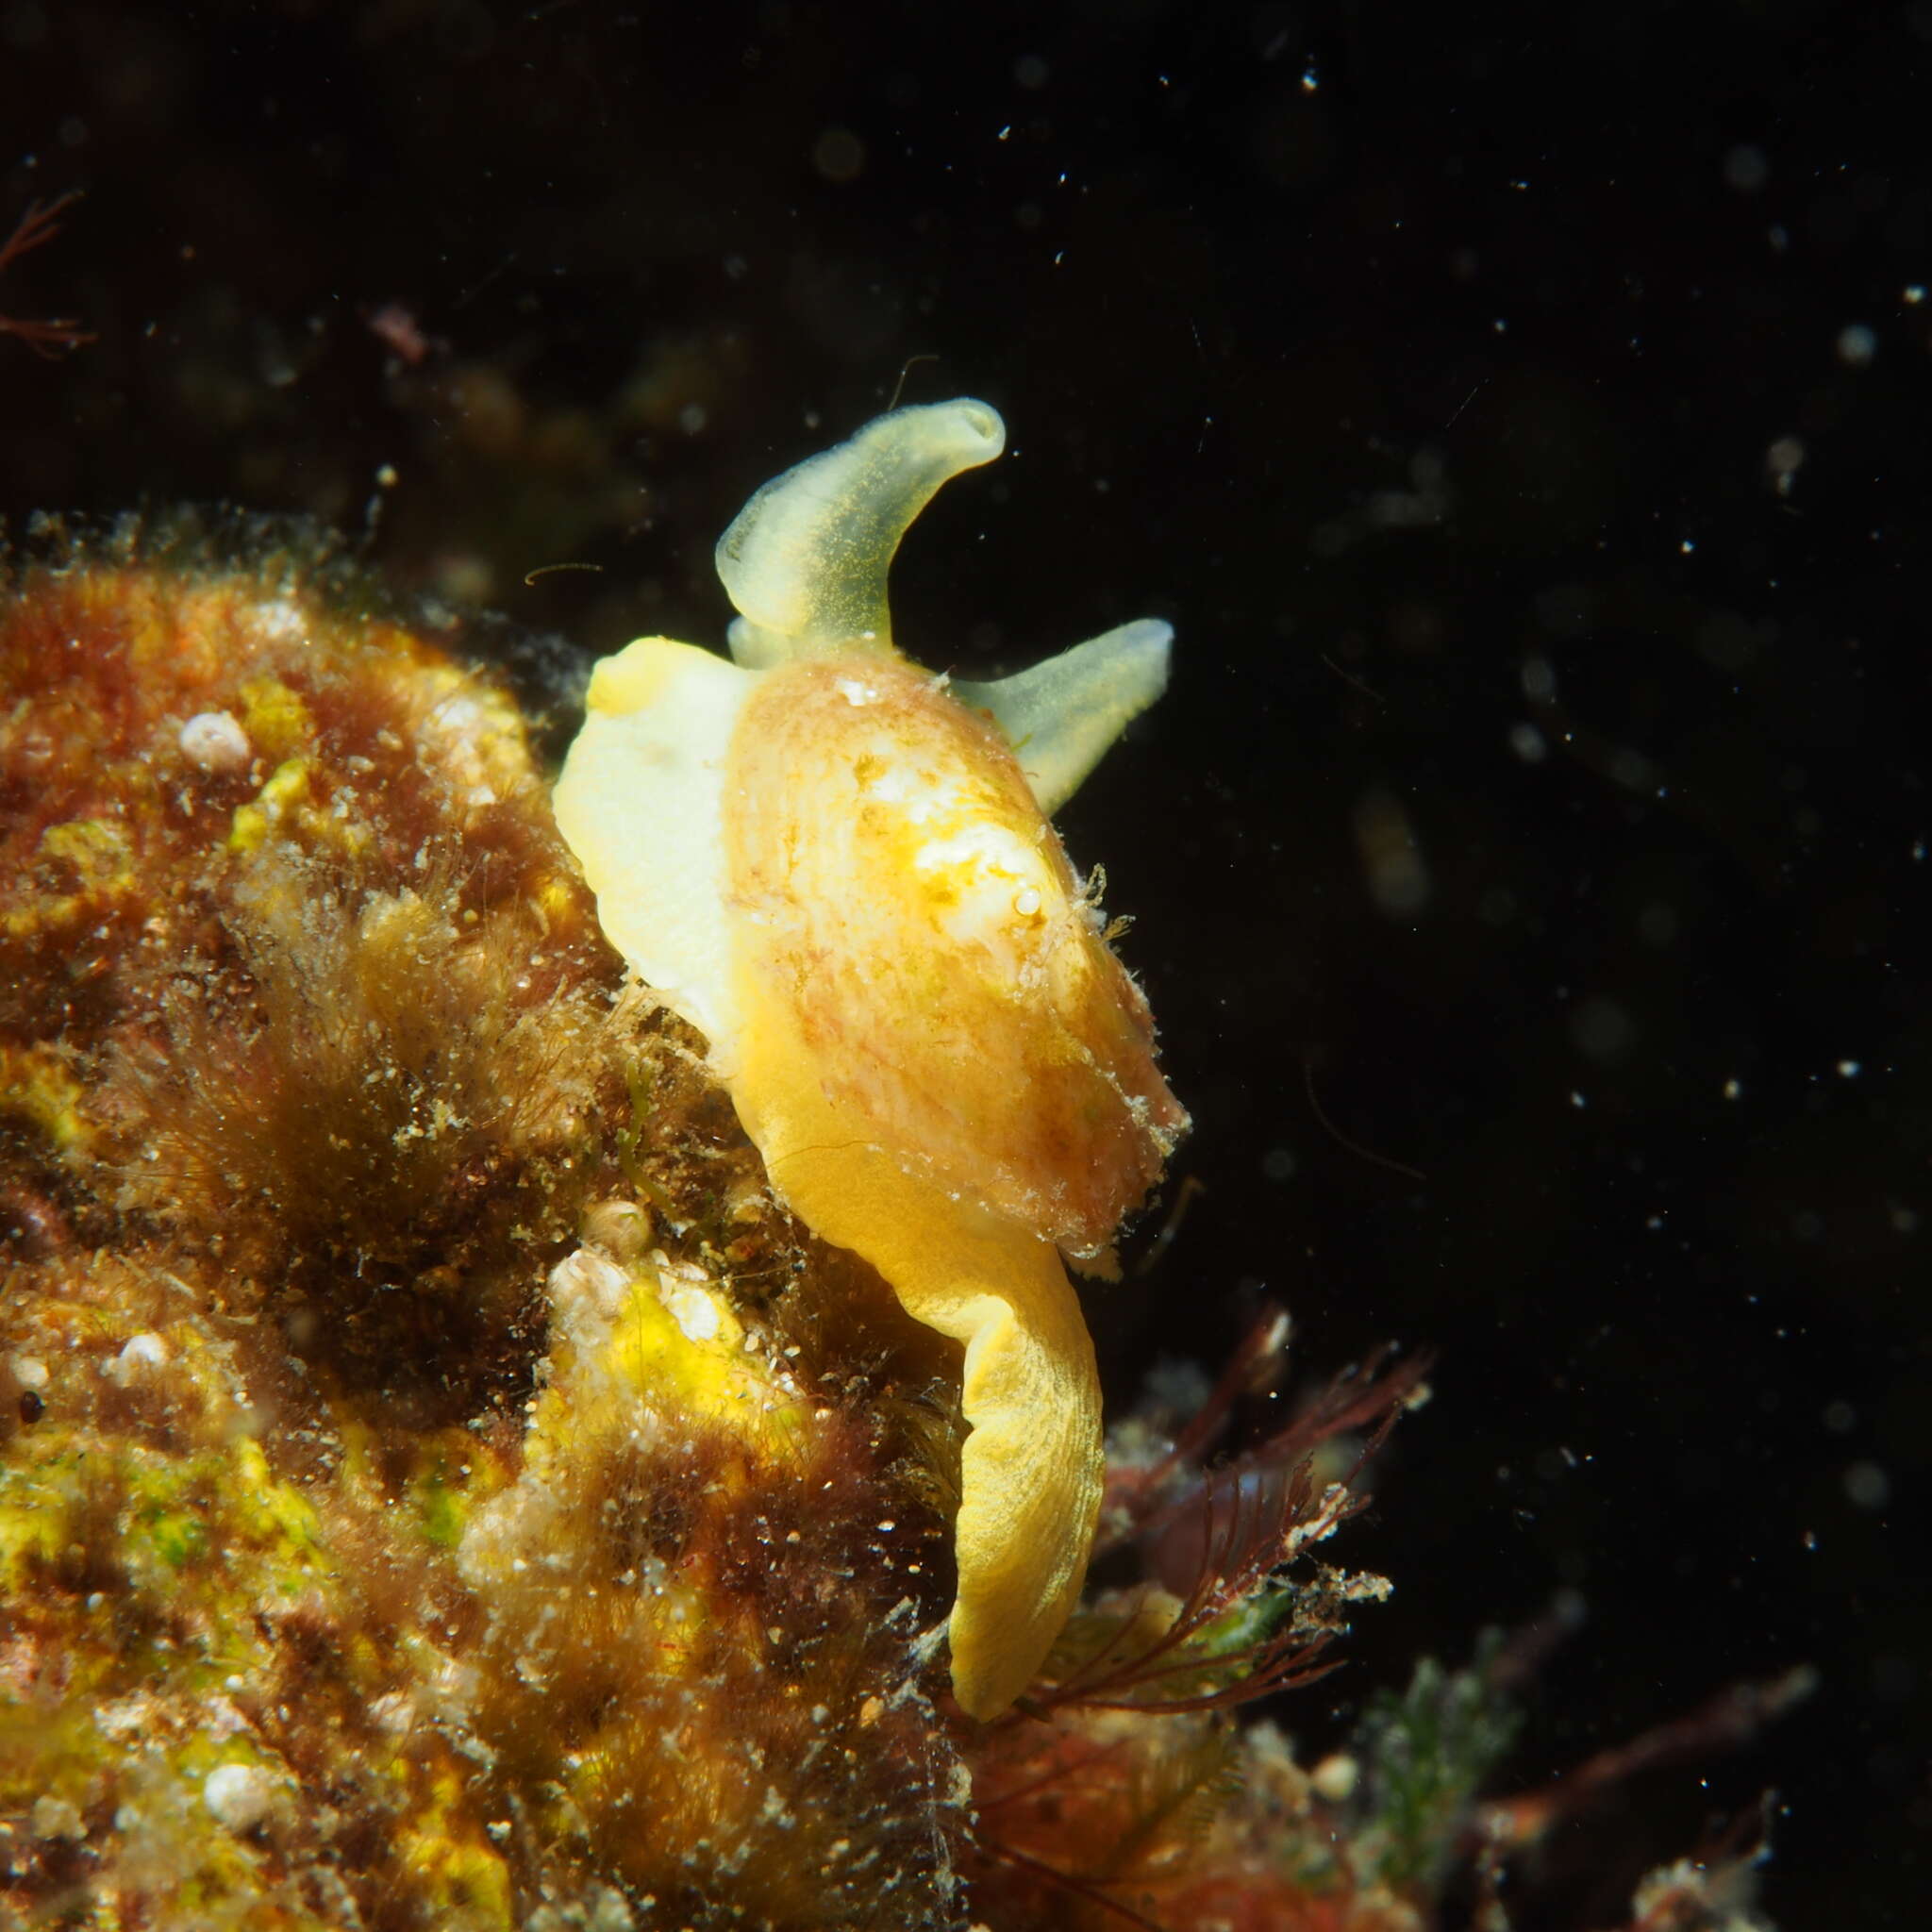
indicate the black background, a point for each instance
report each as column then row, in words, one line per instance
column 1436, row 378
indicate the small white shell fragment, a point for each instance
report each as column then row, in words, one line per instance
column 58, row 1818
column 610, row 1911
column 588, row 1282
column 29, row 1371
column 619, row 1229
column 142, row 1352
column 214, row 742
column 697, row 1311
column 239, row 1796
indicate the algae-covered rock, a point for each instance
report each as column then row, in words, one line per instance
column 374, row 1553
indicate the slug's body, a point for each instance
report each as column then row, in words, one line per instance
column 846, row 877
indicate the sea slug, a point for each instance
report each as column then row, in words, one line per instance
column 840, row 868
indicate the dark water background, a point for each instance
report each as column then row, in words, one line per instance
column 1524, row 426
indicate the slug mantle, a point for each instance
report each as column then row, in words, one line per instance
column 841, row 869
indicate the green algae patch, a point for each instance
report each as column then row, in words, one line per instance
column 36, row 1501
column 193, row 1650
column 127, row 1524
column 180, row 1507
column 454, row 1475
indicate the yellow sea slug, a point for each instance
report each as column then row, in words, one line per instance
column 839, row 867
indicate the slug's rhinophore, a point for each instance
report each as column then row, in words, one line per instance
column 839, row 868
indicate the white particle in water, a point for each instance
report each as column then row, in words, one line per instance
column 1856, row 344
